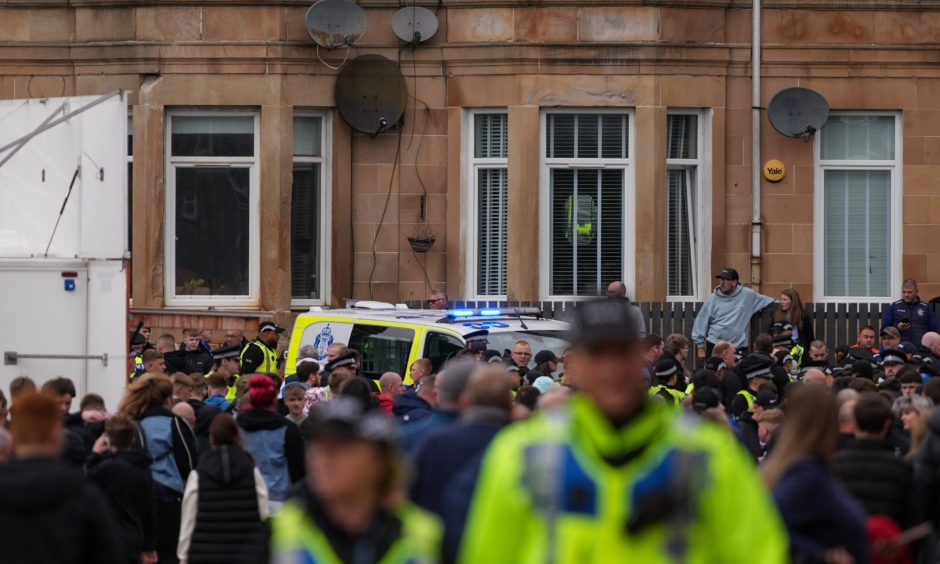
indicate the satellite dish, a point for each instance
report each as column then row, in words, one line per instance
column 414, row 24
column 334, row 23
column 370, row 94
column 798, row 112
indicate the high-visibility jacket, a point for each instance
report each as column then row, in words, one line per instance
column 749, row 397
column 797, row 352
column 548, row 493
column 269, row 366
column 297, row 540
column 668, row 393
column 138, row 367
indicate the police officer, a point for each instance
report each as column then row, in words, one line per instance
column 227, row 364
column 665, row 376
column 758, row 371
column 476, row 342
column 610, row 476
column 782, row 332
column 349, row 508
column 260, row 356
column 912, row 317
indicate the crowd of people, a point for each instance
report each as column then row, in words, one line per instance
column 627, row 446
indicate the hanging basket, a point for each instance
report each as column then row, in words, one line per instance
column 421, row 244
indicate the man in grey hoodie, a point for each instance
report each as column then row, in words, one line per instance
column 726, row 313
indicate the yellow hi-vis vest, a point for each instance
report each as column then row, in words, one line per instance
column 677, row 396
column 296, row 539
column 269, row 366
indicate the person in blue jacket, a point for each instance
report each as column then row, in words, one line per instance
column 910, row 315
column 172, row 446
column 273, row 440
column 726, row 314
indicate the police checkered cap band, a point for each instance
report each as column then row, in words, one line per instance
column 788, row 358
column 343, row 362
column 476, row 337
column 721, row 366
column 893, row 359
column 222, row 354
column 669, row 372
column 756, row 373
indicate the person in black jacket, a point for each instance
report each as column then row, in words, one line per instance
column 204, row 413
column 225, row 503
column 50, row 513
column 123, row 474
column 868, row 467
column 792, row 311
column 63, row 391
column 194, row 354
column 170, row 442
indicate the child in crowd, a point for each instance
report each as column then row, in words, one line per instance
column 295, row 395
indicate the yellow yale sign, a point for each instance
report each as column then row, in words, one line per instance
column 774, row 170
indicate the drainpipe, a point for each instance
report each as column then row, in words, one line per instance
column 755, row 149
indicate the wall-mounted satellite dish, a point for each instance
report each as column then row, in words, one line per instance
column 414, row 24
column 798, row 112
column 334, row 23
column 370, row 94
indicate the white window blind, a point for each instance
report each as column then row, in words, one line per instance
column 490, row 151
column 585, row 154
column 858, row 161
column 683, row 164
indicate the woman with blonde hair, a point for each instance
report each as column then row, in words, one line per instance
column 792, row 310
column 824, row 521
column 171, row 444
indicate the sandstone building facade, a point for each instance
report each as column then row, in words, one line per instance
column 549, row 146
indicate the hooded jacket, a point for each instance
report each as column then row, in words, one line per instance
column 725, row 317
column 278, row 449
column 410, row 407
column 125, row 479
column 50, row 513
column 224, row 505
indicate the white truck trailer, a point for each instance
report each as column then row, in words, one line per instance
column 64, row 242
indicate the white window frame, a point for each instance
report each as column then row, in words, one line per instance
column 129, row 186
column 629, row 198
column 253, row 163
column 703, row 203
column 895, row 166
column 326, row 201
column 471, row 174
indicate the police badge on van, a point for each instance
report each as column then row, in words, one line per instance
column 323, row 341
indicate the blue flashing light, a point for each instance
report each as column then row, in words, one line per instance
column 461, row 313
column 491, row 312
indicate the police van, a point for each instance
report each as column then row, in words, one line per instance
column 392, row 337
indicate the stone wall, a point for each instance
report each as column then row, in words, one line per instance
column 650, row 57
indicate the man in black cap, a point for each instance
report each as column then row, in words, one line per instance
column 260, row 356
column 546, row 363
column 757, row 372
column 726, row 313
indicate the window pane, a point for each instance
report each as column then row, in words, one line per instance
column 305, row 232
column 857, row 232
column 679, row 233
column 212, row 234
column 490, row 136
column 213, row 136
column 492, row 204
column 130, row 135
column 384, row 349
column 586, row 230
column 440, row 347
column 849, row 137
column 307, row 136
column 682, row 137
column 587, row 136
